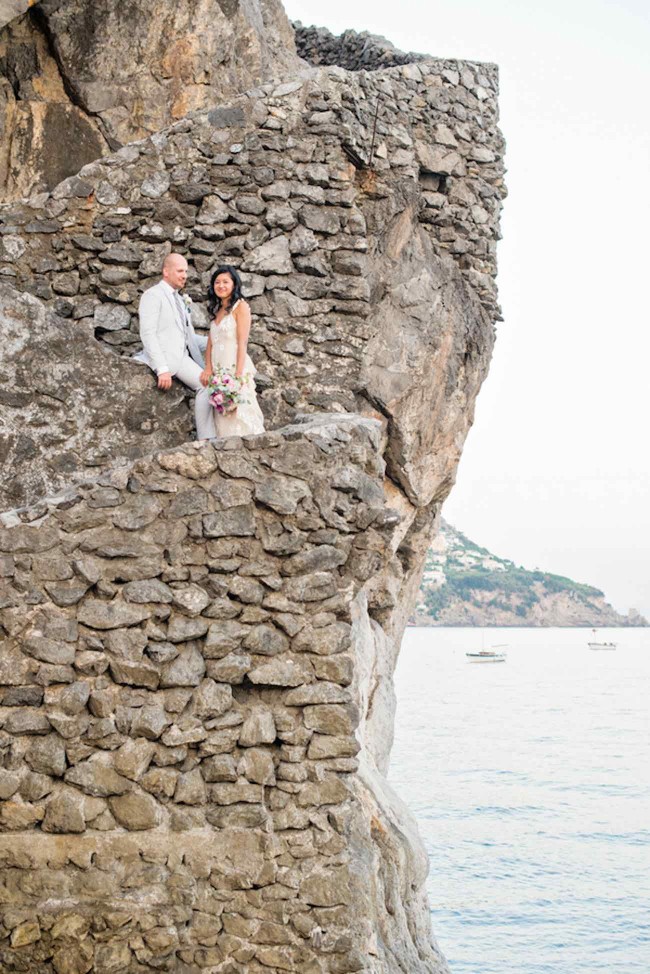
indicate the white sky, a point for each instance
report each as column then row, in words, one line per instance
column 556, row 471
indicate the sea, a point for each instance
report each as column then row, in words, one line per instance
column 530, row 782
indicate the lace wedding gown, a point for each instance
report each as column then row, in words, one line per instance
column 248, row 417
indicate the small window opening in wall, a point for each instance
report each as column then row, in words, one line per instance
column 433, row 182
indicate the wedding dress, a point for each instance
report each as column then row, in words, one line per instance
column 247, row 418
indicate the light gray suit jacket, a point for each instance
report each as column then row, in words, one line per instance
column 163, row 337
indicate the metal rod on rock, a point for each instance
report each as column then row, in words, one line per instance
column 374, row 133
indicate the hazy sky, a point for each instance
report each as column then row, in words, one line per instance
column 556, row 470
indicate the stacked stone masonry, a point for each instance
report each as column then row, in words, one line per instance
column 266, row 184
column 179, row 708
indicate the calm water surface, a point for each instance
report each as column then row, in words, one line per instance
column 530, row 781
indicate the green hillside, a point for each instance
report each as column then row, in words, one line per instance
column 464, row 584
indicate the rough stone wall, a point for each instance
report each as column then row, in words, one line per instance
column 351, row 50
column 181, row 699
column 355, row 276
column 79, row 79
column 221, row 184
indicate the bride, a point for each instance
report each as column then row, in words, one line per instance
column 227, row 348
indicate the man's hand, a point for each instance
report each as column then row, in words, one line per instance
column 165, row 380
column 205, row 377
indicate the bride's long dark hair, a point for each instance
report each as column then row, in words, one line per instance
column 213, row 301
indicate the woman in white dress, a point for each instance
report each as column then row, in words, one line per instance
column 227, row 348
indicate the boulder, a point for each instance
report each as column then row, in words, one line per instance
column 76, row 406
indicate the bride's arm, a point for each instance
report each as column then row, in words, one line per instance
column 207, row 371
column 242, row 315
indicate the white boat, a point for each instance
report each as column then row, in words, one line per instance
column 594, row 644
column 486, row 656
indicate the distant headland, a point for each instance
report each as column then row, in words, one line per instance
column 465, row 585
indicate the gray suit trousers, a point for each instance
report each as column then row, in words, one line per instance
column 188, row 373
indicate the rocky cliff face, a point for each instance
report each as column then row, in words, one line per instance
column 201, row 642
column 78, row 80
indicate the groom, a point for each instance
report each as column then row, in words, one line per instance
column 171, row 346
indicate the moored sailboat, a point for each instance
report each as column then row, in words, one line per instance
column 594, row 644
column 486, row 656
column 496, row 654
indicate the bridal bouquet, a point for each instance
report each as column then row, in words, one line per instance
column 226, row 390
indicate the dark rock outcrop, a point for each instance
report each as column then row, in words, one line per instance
column 352, row 50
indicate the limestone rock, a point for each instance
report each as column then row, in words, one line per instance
column 80, row 83
column 282, row 494
column 258, row 728
column 135, row 811
column 112, row 957
column 65, row 813
column 266, row 641
column 133, row 758
column 220, row 767
column 257, row 766
column 329, row 719
column 192, row 599
column 224, row 638
column 181, row 629
column 47, row 755
column 110, row 615
column 186, row 670
column 150, row 722
column 281, row 673
column 151, row 590
column 190, row 789
column 96, row 406
column 138, row 674
column 25, row 933
column 9, row 784
column 97, row 779
column 211, row 699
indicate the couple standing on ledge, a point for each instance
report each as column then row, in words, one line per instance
column 174, row 350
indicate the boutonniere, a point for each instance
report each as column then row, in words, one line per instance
column 187, row 301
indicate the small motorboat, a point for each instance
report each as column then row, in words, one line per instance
column 594, row 644
column 486, row 656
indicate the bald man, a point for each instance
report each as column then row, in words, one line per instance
column 171, row 346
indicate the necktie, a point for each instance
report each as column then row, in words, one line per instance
column 180, row 309
column 182, row 318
